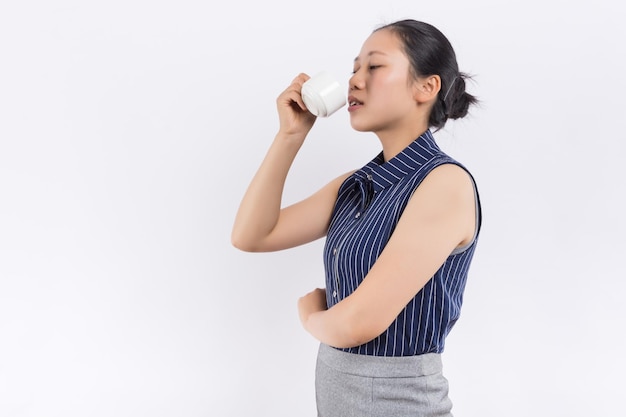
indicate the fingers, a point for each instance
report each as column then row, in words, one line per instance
column 301, row 78
column 293, row 115
column 293, row 92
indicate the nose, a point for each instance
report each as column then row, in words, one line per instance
column 356, row 82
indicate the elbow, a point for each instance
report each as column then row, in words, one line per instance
column 359, row 334
column 352, row 336
column 247, row 242
column 240, row 242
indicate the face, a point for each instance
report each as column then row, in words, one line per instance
column 381, row 95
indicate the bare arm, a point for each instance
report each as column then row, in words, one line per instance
column 439, row 217
column 261, row 225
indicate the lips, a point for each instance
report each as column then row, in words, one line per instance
column 353, row 101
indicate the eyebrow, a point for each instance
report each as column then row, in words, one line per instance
column 371, row 53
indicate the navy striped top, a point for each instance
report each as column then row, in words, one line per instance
column 368, row 207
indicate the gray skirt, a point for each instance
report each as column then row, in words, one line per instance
column 347, row 384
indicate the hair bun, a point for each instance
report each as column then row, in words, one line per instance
column 457, row 101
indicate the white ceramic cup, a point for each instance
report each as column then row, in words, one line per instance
column 322, row 94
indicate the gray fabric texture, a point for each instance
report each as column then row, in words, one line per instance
column 351, row 385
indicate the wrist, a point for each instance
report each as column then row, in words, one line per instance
column 309, row 320
column 294, row 138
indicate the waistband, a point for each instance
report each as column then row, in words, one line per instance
column 380, row 366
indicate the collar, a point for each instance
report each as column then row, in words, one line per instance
column 384, row 174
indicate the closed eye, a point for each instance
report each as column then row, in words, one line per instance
column 370, row 67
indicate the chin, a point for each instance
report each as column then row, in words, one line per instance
column 360, row 126
column 358, row 129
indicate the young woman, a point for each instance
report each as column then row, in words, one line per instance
column 400, row 232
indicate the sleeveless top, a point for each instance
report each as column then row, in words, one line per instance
column 368, row 207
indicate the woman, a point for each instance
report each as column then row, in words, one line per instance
column 400, row 232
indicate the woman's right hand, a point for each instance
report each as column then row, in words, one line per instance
column 294, row 118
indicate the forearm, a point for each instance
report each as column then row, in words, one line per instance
column 260, row 207
column 335, row 327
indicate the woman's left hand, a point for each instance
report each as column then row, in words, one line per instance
column 313, row 302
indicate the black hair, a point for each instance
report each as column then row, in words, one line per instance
column 430, row 53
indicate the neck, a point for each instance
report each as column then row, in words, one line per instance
column 396, row 140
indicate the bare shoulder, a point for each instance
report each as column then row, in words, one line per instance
column 445, row 182
column 444, row 203
column 334, row 185
column 341, row 178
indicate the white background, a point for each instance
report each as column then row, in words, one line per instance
column 130, row 129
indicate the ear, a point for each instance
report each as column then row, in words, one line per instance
column 426, row 89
